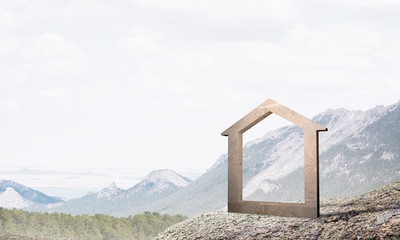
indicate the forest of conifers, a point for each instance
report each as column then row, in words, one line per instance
column 99, row 226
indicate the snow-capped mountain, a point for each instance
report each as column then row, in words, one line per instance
column 118, row 202
column 11, row 199
column 360, row 152
column 109, row 192
column 157, row 185
column 160, row 181
column 15, row 195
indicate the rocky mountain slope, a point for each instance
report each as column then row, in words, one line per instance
column 375, row 215
column 118, row 202
column 15, row 195
column 360, row 152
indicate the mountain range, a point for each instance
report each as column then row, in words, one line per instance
column 118, row 202
column 359, row 153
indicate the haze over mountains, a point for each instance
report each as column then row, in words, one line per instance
column 360, row 152
column 110, row 200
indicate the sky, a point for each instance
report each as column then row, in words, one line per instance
column 98, row 91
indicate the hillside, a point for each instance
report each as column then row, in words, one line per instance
column 18, row 224
column 375, row 215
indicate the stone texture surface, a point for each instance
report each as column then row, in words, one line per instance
column 375, row 215
column 7, row 236
column 310, row 208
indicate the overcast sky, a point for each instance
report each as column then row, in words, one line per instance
column 151, row 84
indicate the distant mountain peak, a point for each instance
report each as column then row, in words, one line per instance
column 112, row 186
column 166, row 175
column 90, row 193
column 12, row 199
column 160, row 181
column 28, row 193
column 109, row 191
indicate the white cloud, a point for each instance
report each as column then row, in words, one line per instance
column 10, row 105
column 8, row 46
column 151, row 102
column 139, row 43
column 367, row 3
column 19, row 77
column 276, row 10
column 213, row 95
column 7, row 22
column 54, row 54
column 311, row 56
column 53, row 93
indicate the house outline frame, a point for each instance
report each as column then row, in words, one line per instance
column 310, row 207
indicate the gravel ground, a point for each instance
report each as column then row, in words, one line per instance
column 375, row 215
column 6, row 236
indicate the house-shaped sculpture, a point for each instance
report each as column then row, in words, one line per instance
column 310, row 207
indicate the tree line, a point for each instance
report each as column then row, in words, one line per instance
column 99, row 226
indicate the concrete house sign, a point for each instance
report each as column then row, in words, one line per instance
column 310, row 207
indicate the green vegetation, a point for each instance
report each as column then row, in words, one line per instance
column 99, row 226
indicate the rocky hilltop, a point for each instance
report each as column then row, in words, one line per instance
column 374, row 215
